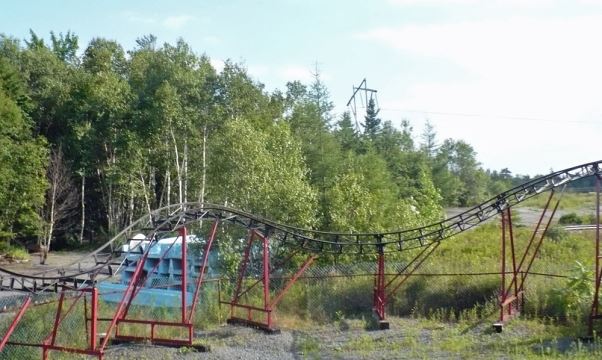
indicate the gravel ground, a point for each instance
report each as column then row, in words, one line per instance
column 227, row 342
column 346, row 339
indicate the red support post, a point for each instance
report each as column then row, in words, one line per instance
column 595, row 314
column 269, row 303
column 57, row 320
column 13, row 324
column 140, row 283
column 199, row 282
column 290, row 283
column 379, row 296
column 266, row 280
column 242, row 271
column 420, row 258
column 507, row 300
column 512, row 250
column 183, row 234
column 543, row 234
column 503, row 269
column 94, row 318
column 127, row 296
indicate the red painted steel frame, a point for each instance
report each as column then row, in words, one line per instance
column 380, row 294
column 595, row 312
column 508, row 300
column 49, row 344
column 505, row 299
column 421, row 257
column 14, row 323
column 138, row 282
column 126, row 298
column 186, row 318
column 184, row 261
column 269, row 304
column 199, row 282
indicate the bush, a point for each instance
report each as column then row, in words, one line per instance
column 570, row 219
column 556, row 233
column 13, row 252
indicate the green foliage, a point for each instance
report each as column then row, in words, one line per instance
column 570, row 219
column 574, row 299
column 13, row 252
column 556, row 233
column 22, row 173
column 161, row 126
column 372, row 127
column 261, row 171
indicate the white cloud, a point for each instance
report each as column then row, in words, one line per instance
column 176, row 22
column 138, row 18
column 294, row 72
column 547, row 68
column 258, row 71
column 212, row 39
column 497, row 3
column 430, row 2
column 532, row 65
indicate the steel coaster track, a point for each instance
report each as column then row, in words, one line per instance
column 171, row 218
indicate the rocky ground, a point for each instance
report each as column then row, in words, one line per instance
column 351, row 339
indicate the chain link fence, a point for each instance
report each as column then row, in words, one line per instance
column 442, row 287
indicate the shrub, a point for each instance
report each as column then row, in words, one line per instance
column 570, row 219
column 556, row 233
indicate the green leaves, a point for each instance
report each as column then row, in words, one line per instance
column 22, row 173
column 261, row 171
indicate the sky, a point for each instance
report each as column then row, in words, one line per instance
column 519, row 80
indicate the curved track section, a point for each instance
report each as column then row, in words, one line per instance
column 106, row 260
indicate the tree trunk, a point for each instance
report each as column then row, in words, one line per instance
column 185, row 170
column 83, row 208
column 48, row 237
column 131, row 204
column 178, row 168
column 204, row 176
column 168, row 198
column 146, row 200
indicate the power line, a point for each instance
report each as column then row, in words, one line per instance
column 510, row 117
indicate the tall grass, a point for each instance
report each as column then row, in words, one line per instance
column 561, row 300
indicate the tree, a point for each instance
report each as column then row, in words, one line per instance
column 429, row 141
column 22, row 168
column 371, row 124
column 61, row 201
column 261, row 171
column 457, row 174
column 65, row 46
column 319, row 95
column 346, row 133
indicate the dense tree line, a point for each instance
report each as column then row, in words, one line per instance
column 90, row 142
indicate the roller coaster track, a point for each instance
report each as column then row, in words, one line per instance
column 103, row 262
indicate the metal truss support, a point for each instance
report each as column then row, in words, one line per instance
column 509, row 304
column 595, row 312
column 49, row 344
column 511, row 298
column 199, row 281
column 268, row 305
column 379, row 297
column 137, row 283
column 381, row 286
